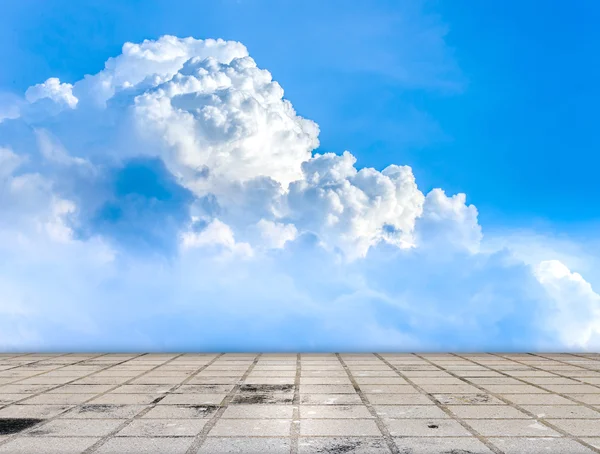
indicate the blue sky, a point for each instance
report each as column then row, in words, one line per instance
column 506, row 115
column 493, row 100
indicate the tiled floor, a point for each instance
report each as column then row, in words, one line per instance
column 300, row 403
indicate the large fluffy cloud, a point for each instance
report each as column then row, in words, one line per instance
column 178, row 192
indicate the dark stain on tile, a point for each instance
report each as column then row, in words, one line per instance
column 97, row 408
column 262, row 398
column 266, row 388
column 158, row 399
column 10, row 426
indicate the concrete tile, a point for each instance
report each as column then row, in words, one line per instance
column 24, row 389
column 325, row 381
column 46, row 380
column 269, row 381
column 77, row 428
column 410, row 411
column 125, row 399
column 265, row 388
column 339, row 427
column 538, row 399
column 356, row 445
column 398, row 399
column 543, row 381
column 450, row 389
column 246, row 398
column 80, row 389
column 158, row 380
column 259, row 411
column 142, row 389
column 181, row 412
column 203, row 389
column 101, row 381
column 514, row 389
column 214, row 381
column 58, row 399
column 487, row 412
column 52, row 445
column 388, row 389
column 511, row 428
column 334, row 412
column 380, row 381
column 425, row 428
column 193, row 399
column 436, row 380
column 578, row 427
column 562, row 411
column 326, row 373
column 32, row 411
column 378, row 373
column 330, row 399
column 149, row 445
column 251, row 428
column 468, row 399
column 514, row 445
column 243, row 445
column 592, row 399
column 277, row 373
column 432, row 445
column 96, row 411
column 327, row 389
column 163, row 428
column 494, row 381
column 10, row 398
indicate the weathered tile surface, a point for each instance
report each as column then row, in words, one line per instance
column 300, row 403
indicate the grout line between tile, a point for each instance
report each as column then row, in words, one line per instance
column 203, row 435
column 295, row 427
column 145, row 410
column 69, row 407
column 517, row 406
column 380, row 424
column 442, row 406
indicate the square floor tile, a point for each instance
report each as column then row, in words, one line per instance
column 259, row 412
column 134, row 445
column 398, row 399
column 237, row 445
column 432, row 445
column 163, row 428
column 192, row 399
column 339, row 427
column 251, row 428
column 355, row 445
column 77, row 428
column 51, row 445
column 562, row 411
column 330, row 399
column 334, row 411
column 487, row 412
column 426, row 428
column 578, row 427
column 511, row 428
column 410, row 411
column 514, row 445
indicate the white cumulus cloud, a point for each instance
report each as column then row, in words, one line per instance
column 53, row 89
column 575, row 307
column 178, row 185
